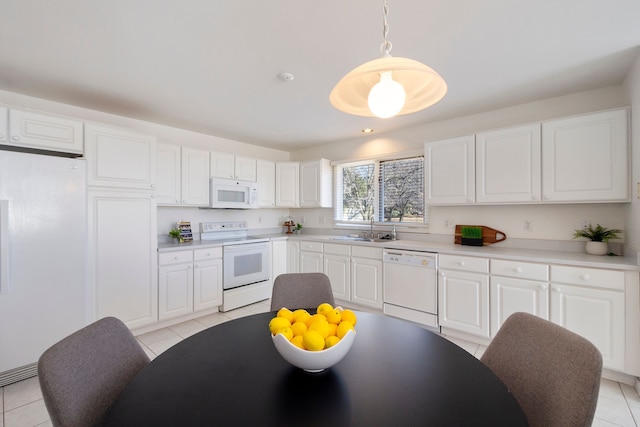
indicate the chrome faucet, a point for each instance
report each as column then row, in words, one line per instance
column 371, row 226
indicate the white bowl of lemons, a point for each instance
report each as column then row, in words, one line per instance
column 313, row 342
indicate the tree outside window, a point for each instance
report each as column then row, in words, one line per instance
column 388, row 191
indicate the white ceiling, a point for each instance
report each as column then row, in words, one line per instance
column 211, row 66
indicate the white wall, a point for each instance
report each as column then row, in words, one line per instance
column 632, row 211
column 555, row 222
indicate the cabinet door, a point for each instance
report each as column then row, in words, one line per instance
column 287, row 185
column 4, row 124
column 585, row 158
column 175, row 290
column 366, row 280
column 597, row 315
column 222, row 165
column 293, row 256
column 278, row 258
column 463, row 302
column 120, row 158
column 310, row 262
column 207, row 284
column 509, row 295
column 315, row 184
column 168, row 174
column 123, row 255
column 266, row 177
column 44, row 132
column 195, row 177
column 245, row 169
column 338, row 269
column 508, row 164
column 450, row 171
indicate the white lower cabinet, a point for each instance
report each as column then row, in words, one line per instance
column 293, row 256
column 337, row 266
column 463, row 294
column 517, row 286
column 311, row 257
column 366, row 276
column 189, row 281
column 591, row 303
column 123, row 246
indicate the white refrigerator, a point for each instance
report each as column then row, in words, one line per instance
column 43, row 257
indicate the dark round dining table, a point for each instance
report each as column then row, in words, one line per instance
column 395, row 374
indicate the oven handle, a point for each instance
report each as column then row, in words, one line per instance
column 245, row 247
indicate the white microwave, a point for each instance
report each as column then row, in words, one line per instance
column 232, row 194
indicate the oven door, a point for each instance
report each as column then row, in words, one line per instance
column 245, row 264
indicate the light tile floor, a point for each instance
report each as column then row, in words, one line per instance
column 21, row 403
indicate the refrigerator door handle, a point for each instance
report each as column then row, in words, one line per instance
column 4, row 247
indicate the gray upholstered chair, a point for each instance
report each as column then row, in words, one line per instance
column 301, row 290
column 83, row 374
column 552, row 372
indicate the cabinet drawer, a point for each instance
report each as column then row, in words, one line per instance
column 366, row 252
column 609, row 279
column 311, row 246
column 207, row 253
column 177, row 257
column 524, row 270
column 464, row 263
column 337, row 249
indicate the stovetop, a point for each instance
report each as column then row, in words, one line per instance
column 229, row 233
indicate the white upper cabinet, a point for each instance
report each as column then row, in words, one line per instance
column 168, row 174
column 585, row 158
column 508, row 165
column 450, row 171
column 287, row 184
column 4, row 124
column 120, row 158
column 40, row 131
column 266, row 178
column 194, row 177
column 315, row 184
column 224, row 165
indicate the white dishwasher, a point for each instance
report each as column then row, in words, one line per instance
column 410, row 286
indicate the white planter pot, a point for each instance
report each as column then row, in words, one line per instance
column 597, row 248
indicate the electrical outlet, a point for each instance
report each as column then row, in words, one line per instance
column 585, row 223
column 527, row 225
column 448, row 223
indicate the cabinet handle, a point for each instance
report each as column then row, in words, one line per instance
column 16, row 137
column 556, row 289
column 184, row 201
column 585, row 277
column 176, row 257
column 1, row 135
column 461, row 263
column 190, row 267
column 153, row 186
column 518, row 270
column 543, row 287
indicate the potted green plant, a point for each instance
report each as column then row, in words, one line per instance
column 297, row 228
column 175, row 235
column 598, row 236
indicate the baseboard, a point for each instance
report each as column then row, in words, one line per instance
column 619, row 377
column 18, row 374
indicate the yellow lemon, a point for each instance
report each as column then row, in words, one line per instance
column 286, row 331
column 297, row 341
column 300, row 315
column 332, row 329
column 343, row 328
column 278, row 323
column 330, row 341
column 349, row 316
column 299, row 328
column 313, row 341
column 286, row 313
column 321, row 326
column 315, row 318
column 333, row 316
column 325, row 306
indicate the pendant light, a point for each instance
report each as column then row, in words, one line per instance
column 388, row 86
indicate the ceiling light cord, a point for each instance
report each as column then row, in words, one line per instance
column 386, row 45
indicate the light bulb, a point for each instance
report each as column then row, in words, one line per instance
column 386, row 97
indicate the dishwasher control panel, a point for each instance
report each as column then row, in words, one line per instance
column 418, row 259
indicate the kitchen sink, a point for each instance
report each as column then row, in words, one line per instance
column 361, row 239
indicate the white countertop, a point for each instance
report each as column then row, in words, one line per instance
column 489, row 251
